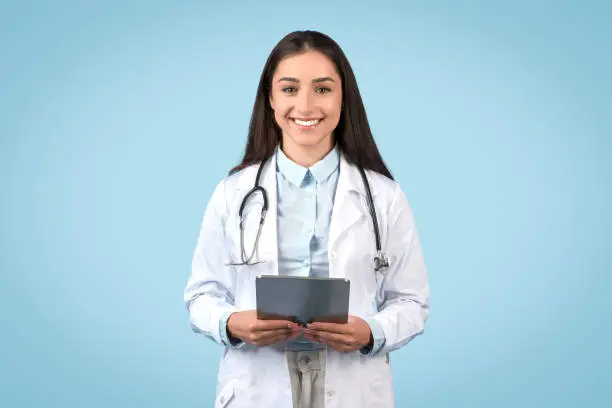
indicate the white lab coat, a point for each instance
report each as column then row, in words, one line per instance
column 251, row 377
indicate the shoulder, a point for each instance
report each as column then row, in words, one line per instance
column 388, row 193
column 229, row 188
column 384, row 185
column 237, row 180
column 380, row 185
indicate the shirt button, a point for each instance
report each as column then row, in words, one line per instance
column 332, row 255
column 330, row 393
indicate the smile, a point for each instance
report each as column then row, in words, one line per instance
column 307, row 123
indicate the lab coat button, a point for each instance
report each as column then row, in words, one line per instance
column 332, row 255
column 330, row 393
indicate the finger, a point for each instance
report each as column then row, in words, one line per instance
column 265, row 325
column 294, row 336
column 271, row 340
column 329, row 327
column 257, row 336
column 313, row 338
column 331, row 337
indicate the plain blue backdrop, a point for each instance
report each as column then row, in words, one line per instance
column 118, row 118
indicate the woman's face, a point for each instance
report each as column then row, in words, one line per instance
column 306, row 98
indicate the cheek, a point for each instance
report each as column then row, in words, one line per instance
column 280, row 117
column 280, row 112
column 333, row 112
column 333, row 108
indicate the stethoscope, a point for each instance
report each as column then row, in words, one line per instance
column 380, row 260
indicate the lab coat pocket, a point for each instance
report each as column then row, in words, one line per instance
column 226, row 395
column 380, row 385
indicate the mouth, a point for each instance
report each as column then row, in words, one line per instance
column 306, row 123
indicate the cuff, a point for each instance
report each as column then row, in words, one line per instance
column 377, row 340
column 224, row 335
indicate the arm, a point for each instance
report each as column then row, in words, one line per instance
column 402, row 299
column 209, row 294
column 404, row 296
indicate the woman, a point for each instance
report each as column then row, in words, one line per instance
column 309, row 135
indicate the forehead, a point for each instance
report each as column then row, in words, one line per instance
column 307, row 65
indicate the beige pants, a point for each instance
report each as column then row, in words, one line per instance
column 307, row 373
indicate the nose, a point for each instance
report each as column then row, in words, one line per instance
column 304, row 103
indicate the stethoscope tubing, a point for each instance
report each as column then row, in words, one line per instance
column 380, row 259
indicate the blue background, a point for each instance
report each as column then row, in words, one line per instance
column 118, row 118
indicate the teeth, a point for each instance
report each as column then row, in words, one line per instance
column 306, row 122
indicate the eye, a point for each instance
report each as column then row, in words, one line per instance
column 289, row 89
column 322, row 90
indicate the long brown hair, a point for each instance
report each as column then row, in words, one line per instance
column 352, row 135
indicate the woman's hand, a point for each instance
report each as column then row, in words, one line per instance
column 248, row 328
column 351, row 336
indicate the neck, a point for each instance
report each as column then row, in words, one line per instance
column 306, row 156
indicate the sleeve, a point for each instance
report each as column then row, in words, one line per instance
column 377, row 338
column 403, row 299
column 226, row 338
column 209, row 293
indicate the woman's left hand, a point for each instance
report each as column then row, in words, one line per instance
column 350, row 336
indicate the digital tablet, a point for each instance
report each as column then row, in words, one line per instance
column 302, row 299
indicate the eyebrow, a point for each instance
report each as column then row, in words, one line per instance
column 314, row 81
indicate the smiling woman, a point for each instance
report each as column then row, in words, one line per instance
column 306, row 78
column 306, row 98
column 312, row 164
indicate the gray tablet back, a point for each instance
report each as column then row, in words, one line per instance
column 302, row 300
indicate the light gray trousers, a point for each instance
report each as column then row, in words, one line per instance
column 307, row 373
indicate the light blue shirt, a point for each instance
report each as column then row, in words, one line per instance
column 304, row 208
column 305, row 204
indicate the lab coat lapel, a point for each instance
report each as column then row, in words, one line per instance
column 268, row 239
column 347, row 210
column 266, row 251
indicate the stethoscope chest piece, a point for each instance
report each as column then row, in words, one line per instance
column 381, row 262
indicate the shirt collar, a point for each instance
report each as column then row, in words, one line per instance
column 295, row 173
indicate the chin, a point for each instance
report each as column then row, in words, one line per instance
column 308, row 141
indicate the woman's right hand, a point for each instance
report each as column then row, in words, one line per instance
column 247, row 327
